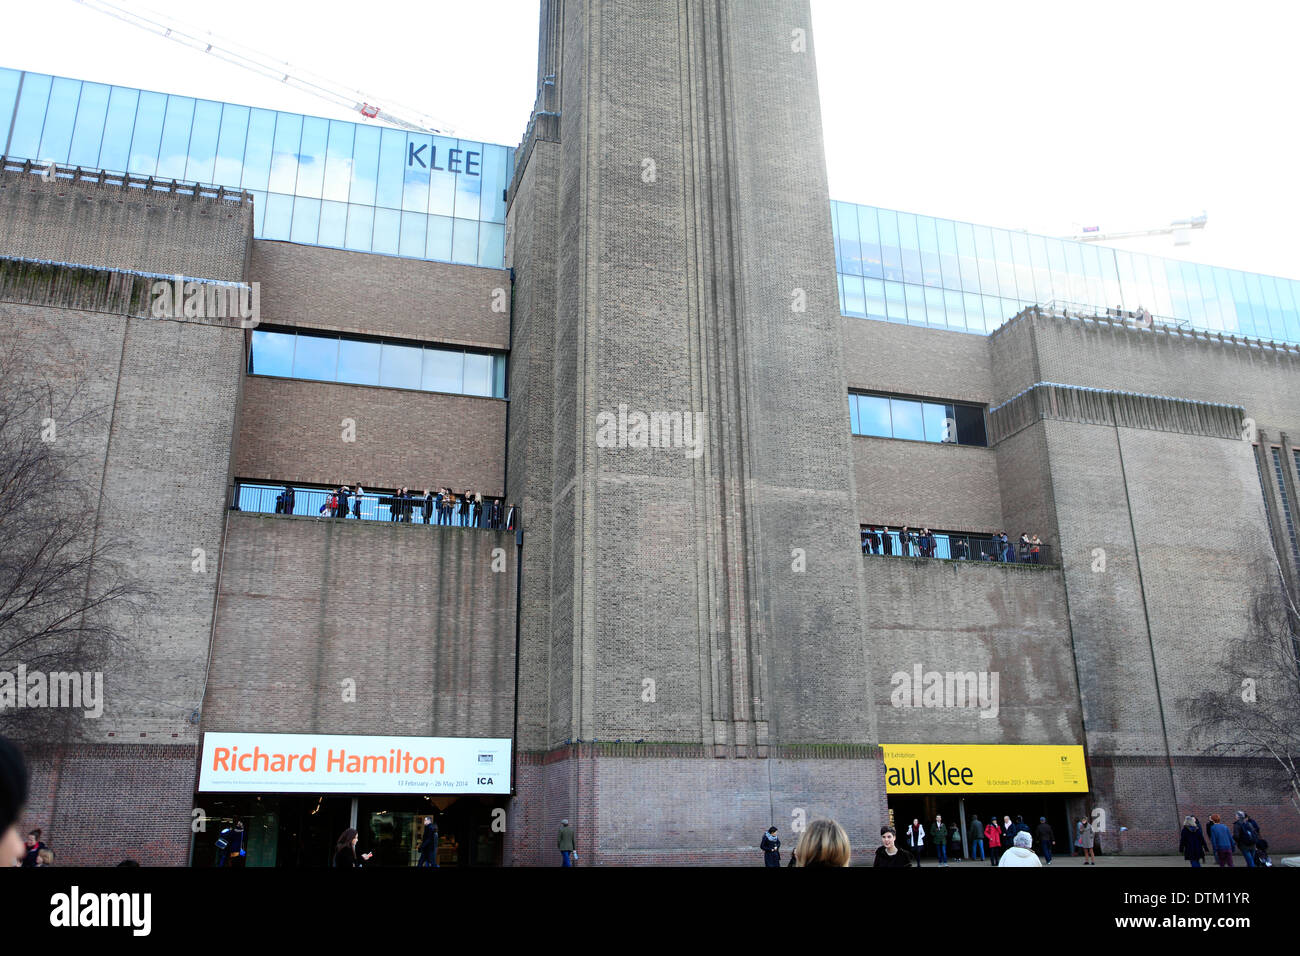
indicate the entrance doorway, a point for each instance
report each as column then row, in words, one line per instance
column 903, row 808
column 302, row 830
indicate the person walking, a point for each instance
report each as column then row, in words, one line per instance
column 824, row 843
column 954, row 842
column 976, row 838
column 568, row 847
column 916, row 839
column 939, row 837
column 345, row 850
column 1220, row 841
column 429, row 841
column 1190, row 842
column 1045, row 839
column 771, row 847
column 888, row 854
column 1084, row 841
column 1021, row 852
column 994, row 835
column 1245, row 832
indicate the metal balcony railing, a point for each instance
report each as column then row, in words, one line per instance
column 954, row 546
column 266, row 498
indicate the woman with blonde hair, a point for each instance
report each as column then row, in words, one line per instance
column 824, row 843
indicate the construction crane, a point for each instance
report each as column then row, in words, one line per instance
column 281, row 72
column 1180, row 229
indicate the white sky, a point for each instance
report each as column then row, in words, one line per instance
column 1035, row 115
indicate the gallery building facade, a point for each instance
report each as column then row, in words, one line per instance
column 642, row 328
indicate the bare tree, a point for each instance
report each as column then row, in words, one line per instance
column 1255, row 713
column 66, row 599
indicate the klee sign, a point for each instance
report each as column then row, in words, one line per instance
column 984, row 768
column 346, row 764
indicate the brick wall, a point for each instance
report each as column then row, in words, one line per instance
column 414, row 614
column 291, row 430
column 390, row 296
column 99, row 804
column 145, row 230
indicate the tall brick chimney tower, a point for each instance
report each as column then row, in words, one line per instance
column 693, row 652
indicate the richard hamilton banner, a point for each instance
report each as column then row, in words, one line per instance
column 346, row 764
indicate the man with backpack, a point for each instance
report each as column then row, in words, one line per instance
column 1246, row 832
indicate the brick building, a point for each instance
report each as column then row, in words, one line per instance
column 683, row 641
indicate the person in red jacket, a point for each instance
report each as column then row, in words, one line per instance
column 994, row 835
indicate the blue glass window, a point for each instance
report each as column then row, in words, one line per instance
column 850, row 252
column 203, row 142
column 359, row 362
column 442, row 183
column 86, row 135
column 388, row 227
column 147, row 138
column 890, row 253
column 311, row 157
column 25, row 137
column 936, row 419
column 855, row 427
column 333, row 224
column 968, row 258
column 412, row 237
column 279, row 216
column 1006, row 268
column 873, row 416
column 365, row 167
column 391, row 175
column 258, row 149
column 869, row 238
column 338, row 162
column 875, row 289
column 438, row 241
column 910, row 246
column 271, row 353
column 854, row 297
column 400, row 366
column 174, row 148
column 928, row 236
column 915, row 298
column 478, row 374
column 464, row 241
column 316, row 356
column 306, row 220
column 947, row 232
column 444, row 371
column 284, row 154
column 934, row 308
column 908, row 419
column 361, row 223
column 60, row 118
column 469, row 187
column 491, row 244
column 229, row 168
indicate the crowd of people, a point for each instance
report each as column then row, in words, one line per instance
column 1219, row 839
column 913, row 543
column 1009, row 843
column 469, row 509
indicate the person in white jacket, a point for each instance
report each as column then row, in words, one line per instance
column 1021, row 854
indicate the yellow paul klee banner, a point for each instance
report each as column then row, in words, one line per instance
column 984, row 768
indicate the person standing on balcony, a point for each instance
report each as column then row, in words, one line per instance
column 427, row 511
column 886, row 542
column 1034, row 547
column 356, row 502
column 471, row 506
column 342, row 510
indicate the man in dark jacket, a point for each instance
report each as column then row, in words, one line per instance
column 1246, row 832
column 1045, row 837
column 429, row 843
column 288, row 499
column 976, row 838
column 566, row 844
